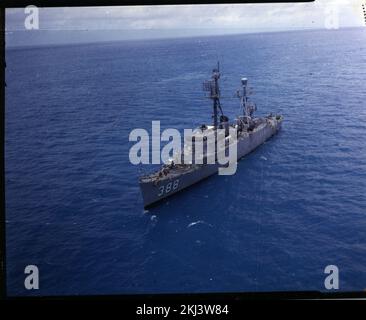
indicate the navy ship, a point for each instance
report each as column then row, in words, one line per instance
column 250, row 132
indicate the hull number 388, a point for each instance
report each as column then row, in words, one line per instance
column 169, row 187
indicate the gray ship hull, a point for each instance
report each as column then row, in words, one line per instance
column 155, row 191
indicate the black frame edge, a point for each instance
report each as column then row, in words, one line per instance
column 2, row 152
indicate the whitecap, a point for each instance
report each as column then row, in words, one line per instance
column 198, row 222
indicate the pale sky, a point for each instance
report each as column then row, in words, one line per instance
column 141, row 22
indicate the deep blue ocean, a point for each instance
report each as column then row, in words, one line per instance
column 294, row 206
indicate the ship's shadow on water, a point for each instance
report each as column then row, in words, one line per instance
column 295, row 204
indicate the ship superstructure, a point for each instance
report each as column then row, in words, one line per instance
column 250, row 132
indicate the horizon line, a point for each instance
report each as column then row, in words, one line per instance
column 44, row 45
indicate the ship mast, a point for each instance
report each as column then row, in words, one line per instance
column 246, row 104
column 212, row 86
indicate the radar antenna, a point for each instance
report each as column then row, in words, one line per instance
column 246, row 104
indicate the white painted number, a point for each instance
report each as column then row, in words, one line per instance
column 169, row 187
column 175, row 185
column 161, row 191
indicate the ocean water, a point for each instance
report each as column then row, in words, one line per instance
column 295, row 205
